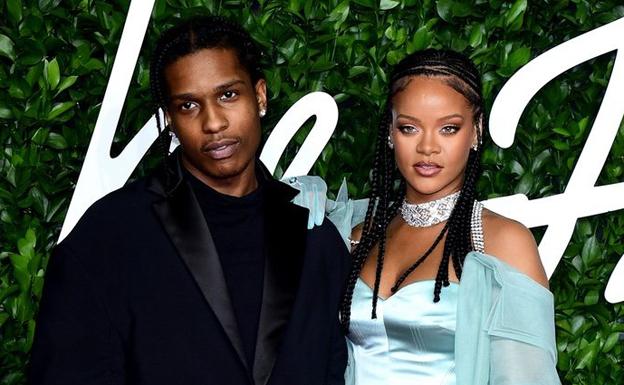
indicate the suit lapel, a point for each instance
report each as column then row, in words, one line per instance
column 286, row 226
column 182, row 218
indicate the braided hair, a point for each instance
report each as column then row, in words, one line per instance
column 186, row 38
column 457, row 71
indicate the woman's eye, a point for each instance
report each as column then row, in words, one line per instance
column 407, row 129
column 227, row 95
column 449, row 130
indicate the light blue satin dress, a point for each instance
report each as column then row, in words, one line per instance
column 412, row 341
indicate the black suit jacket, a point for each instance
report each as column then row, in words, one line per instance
column 136, row 295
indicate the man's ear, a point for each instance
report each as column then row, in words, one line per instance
column 168, row 120
column 261, row 94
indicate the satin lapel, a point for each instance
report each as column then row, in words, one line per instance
column 183, row 220
column 286, row 226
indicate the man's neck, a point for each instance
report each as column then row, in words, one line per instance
column 238, row 185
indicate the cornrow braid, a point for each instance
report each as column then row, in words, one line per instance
column 457, row 71
column 186, row 38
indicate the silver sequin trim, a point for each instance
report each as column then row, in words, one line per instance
column 476, row 227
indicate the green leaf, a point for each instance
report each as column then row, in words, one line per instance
column 5, row 113
column 419, row 41
column 365, row 3
column 15, row 10
column 339, row 14
column 53, row 73
column 562, row 131
column 60, row 108
column 518, row 58
column 3, row 318
column 357, row 70
column 476, row 35
column 526, row 184
column 26, row 245
column 610, row 342
column 57, row 141
column 591, row 251
column 394, row 57
column 385, row 5
column 40, row 136
column 66, row 83
column 516, row 11
column 444, row 9
column 588, row 355
column 7, row 47
column 591, row 298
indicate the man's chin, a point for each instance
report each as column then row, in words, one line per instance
column 225, row 171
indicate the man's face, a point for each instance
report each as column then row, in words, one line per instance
column 214, row 111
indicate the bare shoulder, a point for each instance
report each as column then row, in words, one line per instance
column 511, row 242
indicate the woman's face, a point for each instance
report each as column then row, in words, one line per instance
column 432, row 131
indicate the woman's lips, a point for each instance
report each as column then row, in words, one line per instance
column 427, row 169
column 222, row 149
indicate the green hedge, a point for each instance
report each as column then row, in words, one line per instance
column 56, row 56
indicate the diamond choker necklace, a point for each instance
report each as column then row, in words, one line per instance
column 429, row 213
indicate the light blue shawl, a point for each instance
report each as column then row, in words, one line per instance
column 505, row 326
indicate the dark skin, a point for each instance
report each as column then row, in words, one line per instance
column 214, row 111
column 434, row 123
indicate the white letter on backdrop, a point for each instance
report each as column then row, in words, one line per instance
column 581, row 197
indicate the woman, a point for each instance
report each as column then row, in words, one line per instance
column 442, row 291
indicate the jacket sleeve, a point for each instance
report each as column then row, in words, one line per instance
column 338, row 363
column 75, row 342
column 505, row 327
column 338, row 359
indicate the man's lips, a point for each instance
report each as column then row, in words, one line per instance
column 221, row 149
column 427, row 169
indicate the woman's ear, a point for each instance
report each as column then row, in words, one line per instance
column 478, row 133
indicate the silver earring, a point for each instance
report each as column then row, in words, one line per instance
column 475, row 146
column 262, row 113
column 390, row 143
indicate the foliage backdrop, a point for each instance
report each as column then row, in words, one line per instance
column 56, row 57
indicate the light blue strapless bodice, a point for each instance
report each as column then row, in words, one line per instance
column 412, row 341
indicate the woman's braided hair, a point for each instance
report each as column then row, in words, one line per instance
column 458, row 71
column 186, row 38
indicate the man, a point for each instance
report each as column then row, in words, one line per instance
column 204, row 273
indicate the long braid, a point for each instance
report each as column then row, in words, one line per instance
column 386, row 182
column 370, row 231
column 459, row 73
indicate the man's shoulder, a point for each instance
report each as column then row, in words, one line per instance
column 129, row 198
column 117, row 210
column 327, row 238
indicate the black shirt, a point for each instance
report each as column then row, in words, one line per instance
column 237, row 228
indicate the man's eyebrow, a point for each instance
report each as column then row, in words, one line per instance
column 217, row 89
column 227, row 85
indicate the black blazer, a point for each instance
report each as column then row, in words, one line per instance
column 136, row 295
